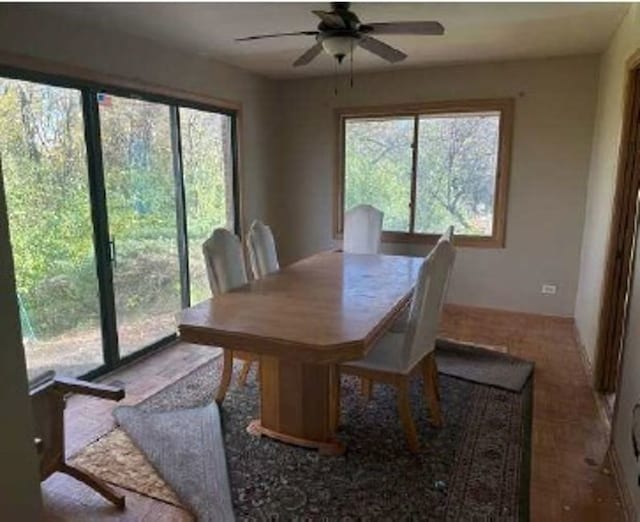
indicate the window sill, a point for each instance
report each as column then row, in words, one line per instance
column 430, row 239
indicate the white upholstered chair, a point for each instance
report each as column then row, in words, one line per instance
column 398, row 355
column 448, row 234
column 226, row 270
column 362, row 230
column 400, row 323
column 262, row 250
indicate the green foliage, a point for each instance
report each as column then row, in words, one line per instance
column 45, row 171
column 456, row 171
column 44, row 167
column 378, row 162
column 456, row 174
column 205, row 151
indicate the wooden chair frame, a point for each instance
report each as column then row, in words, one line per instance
column 227, row 371
column 48, row 399
column 401, row 381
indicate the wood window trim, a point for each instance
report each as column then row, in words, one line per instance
column 505, row 106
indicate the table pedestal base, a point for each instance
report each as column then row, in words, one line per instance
column 299, row 404
column 335, row 448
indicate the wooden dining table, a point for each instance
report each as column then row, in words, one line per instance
column 301, row 323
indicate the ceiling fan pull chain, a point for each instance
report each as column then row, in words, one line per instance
column 335, row 78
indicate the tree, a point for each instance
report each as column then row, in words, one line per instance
column 46, row 178
column 456, row 169
column 456, row 173
column 378, row 158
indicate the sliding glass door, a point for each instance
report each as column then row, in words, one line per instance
column 44, row 166
column 207, row 157
column 141, row 206
column 110, row 195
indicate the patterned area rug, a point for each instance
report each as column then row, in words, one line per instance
column 475, row 468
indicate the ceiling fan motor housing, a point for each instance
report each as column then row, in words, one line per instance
column 338, row 31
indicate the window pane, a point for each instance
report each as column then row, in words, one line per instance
column 378, row 158
column 208, row 177
column 141, row 202
column 456, row 178
column 46, row 183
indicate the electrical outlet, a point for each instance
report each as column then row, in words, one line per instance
column 549, row 289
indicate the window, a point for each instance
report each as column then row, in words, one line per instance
column 141, row 205
column 47, row 190
column 427, row 167
column 110, row 194
column 207, row 154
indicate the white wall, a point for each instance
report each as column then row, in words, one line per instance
column 555, row 100
column 19, row 480
column 629, row 394
column 602, row 178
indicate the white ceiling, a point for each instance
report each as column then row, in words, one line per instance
column 474, row 31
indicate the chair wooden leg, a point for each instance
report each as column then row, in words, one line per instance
column 227, row 370
column 404, row 410
column 244, row 373
column 335, row 400
column 435, row 376
column 431, row 388
column 366, row 387
column 94, row 483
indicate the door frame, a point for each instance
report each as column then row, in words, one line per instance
column 89, row 85
column 622, row 236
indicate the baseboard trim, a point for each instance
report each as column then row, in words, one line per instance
column 583, row 352
column 606, row 413
column 618, row 475
column 504, row 311
column 604, row 407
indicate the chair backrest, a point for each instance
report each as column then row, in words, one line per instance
column 224, row 261
column 448, row 234
column 426, row 303
column 362, row 229
column 262, row 250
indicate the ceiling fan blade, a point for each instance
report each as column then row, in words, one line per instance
column 308, row 55
column 381, row 49
column 418, row 28
column 276, row 35
column 331, row 20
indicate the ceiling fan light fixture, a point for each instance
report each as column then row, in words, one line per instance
column 340, row 32
column 339, row 46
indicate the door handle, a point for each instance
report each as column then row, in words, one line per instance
column 113, row 252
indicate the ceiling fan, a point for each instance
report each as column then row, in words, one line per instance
column 340, row 32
